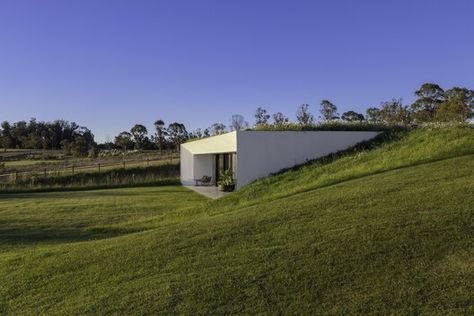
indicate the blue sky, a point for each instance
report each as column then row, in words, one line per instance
column 110, row 64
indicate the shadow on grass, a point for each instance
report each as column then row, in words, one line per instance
column 163, row 182
column 10, row 236
column 87, row 193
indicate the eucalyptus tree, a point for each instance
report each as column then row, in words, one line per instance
column 160, row 134
column 238, row 123
column 177, row 134
column 373, row 115
column 395, row 113
column 279, row 119
column 303, row 116
column 261, row 116
column 217, row 129
column 139, row 133
column 6, row 139
column 430, row 97
column 352, row 116
column 458, row 106
column 328, row 111
column 124, row 140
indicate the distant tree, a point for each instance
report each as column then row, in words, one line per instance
column 160, row 134
column 206, row 133
column 139, row 133
column 19, row 133
column 66, row 145
column 32, row 139
column 303, row 116
column 7, row 140
column 279, row 119
column 177, row 134
column 124, row 140
column 261, row 116
column 352, row 116
column 430, row 97
column 85, row 134
column 217, row 129
column 55, row 132
column 458, row 106
column 373, row 115
column 108, row 144
column 394, row 112
column 238, row 122
column 79, row 147
column 328, row 111
column 197, row 133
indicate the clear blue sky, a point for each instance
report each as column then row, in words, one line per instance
column 110, row 64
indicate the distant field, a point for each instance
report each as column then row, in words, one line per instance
column 25, row 162
column 17, row 166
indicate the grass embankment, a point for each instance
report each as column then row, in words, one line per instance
column 391, row 150
column 165, row 174
column 347, row 238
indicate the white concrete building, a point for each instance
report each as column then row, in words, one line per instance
column 256, row 154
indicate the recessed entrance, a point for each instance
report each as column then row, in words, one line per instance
column 224, row 162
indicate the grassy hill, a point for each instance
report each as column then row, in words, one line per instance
column 388, row 230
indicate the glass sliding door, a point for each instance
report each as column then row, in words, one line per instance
column 223, row 162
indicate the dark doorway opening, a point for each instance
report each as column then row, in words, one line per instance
column 223, row 162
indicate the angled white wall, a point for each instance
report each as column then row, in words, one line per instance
column 260, row 153
column 197, row 156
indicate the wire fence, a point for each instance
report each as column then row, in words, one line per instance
column 72, row 168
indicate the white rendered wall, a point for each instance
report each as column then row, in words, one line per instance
column 203, row 166
column 197, row 156
column 186, row 166
column 260, row 153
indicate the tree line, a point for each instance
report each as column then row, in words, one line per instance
column 433, row 104
column 171, row 136
column 59, row 134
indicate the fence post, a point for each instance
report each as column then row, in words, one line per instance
column 45, row 172
column 98, row 166
column 72, row 170
column 16, row 176
column 123, row 164
column 148, row 162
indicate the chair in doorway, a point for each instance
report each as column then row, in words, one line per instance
column 204, row 180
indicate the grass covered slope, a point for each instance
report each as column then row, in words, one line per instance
column 394, row 240
column 390, row 151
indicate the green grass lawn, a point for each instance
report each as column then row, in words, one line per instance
column 388, row 231
column 32, row 220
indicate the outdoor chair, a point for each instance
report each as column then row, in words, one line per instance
column 205, row 180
